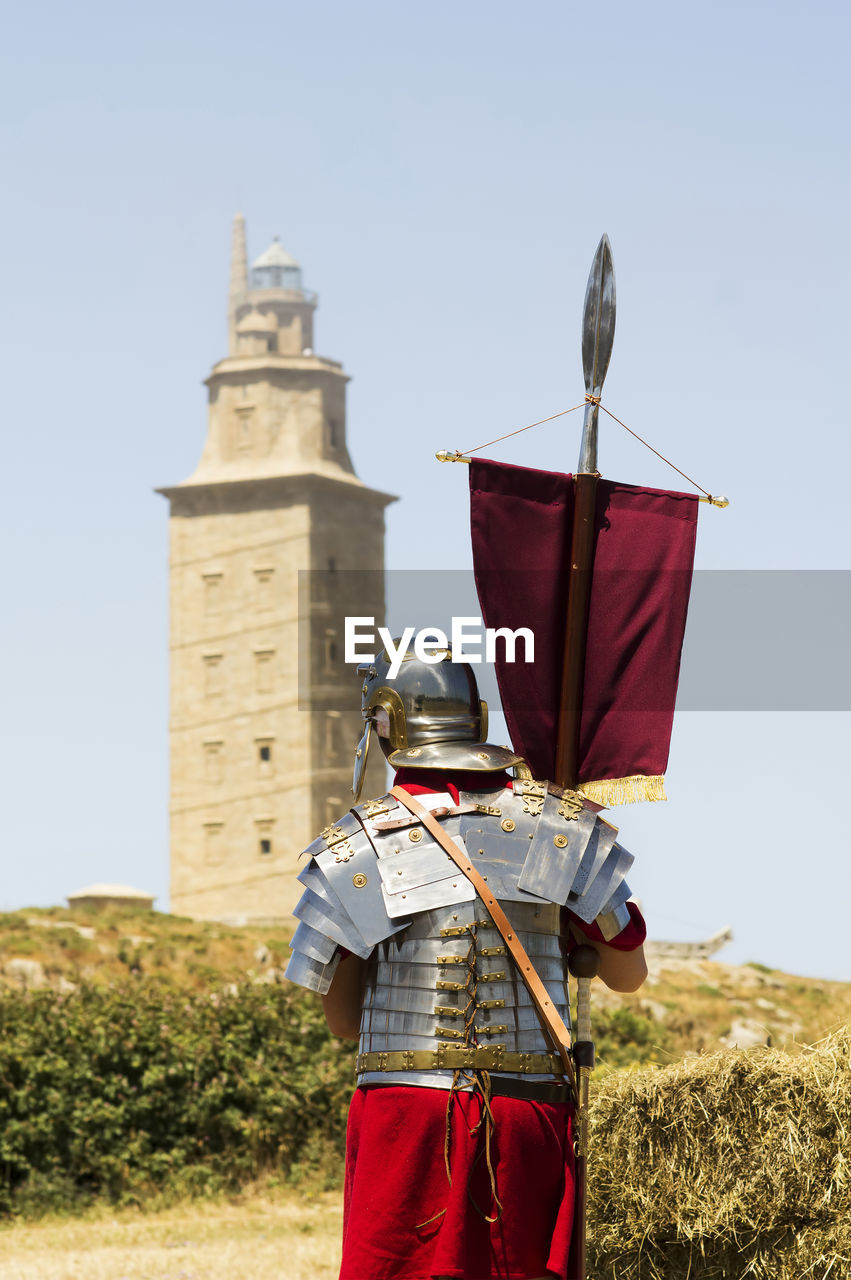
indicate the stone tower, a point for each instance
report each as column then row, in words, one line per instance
column 264, row 713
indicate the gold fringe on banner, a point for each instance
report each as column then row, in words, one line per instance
column 615, row 791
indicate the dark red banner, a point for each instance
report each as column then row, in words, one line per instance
column 641, row 579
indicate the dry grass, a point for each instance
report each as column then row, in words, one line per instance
column 728, row 1165
column 265, row 1236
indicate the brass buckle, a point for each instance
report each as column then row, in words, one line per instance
column 571, row 806
column 338, row 843
column 373, row 808
column 533, row 795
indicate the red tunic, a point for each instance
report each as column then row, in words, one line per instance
column 403, row 1217
column 404, row 1221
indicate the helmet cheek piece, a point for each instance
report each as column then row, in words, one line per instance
column 361, row 755
column 388, row 700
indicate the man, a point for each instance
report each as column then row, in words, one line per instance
column 459, row 1149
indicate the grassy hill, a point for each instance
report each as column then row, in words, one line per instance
column 101, row 947
column 686, row 1006
column 698, row 1006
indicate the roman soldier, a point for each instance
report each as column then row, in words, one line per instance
column 427, row 913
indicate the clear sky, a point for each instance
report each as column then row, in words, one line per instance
column 443, row 173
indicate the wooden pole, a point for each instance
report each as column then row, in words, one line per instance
column 581, row 556
column 584, row 962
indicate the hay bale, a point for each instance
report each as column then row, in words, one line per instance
column 728, row 1165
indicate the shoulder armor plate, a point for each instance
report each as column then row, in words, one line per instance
column 317, row 910
column 416, row 873
column 377, row 867
column 311, row 973
column 607, row 872
column 310, row 942
column 349, row 868
column 555, row 852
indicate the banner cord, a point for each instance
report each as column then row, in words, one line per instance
column 589, row 399
column 656, row 451
column 459, row 452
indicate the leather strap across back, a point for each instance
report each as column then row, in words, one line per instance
column 549, row 1017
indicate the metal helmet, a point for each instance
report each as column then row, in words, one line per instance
column 437, row 719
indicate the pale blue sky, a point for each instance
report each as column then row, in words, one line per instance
column 443, row 174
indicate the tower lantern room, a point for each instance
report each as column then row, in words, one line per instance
column 275, row 269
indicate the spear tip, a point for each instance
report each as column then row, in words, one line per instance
column 598, row 318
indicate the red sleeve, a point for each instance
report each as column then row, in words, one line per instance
column 629, row 938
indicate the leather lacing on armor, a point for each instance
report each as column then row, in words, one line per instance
column 475, row 1081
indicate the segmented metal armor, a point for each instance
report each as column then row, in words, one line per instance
column 442, row 994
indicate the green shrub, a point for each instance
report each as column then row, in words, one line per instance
column 113, row 1093
column 623, row 1038
column 146, row 1090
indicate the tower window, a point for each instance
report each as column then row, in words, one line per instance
column 243, row 429
column 332, row 565
column 265, row 828
column 263, row 583
column 265, row 765
column 212, row 592
column 332, row 433
column 264, row 669
column 213, row 759
column 213, row 842
column 212, row 674
column 332, row 721
column 330, row 650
